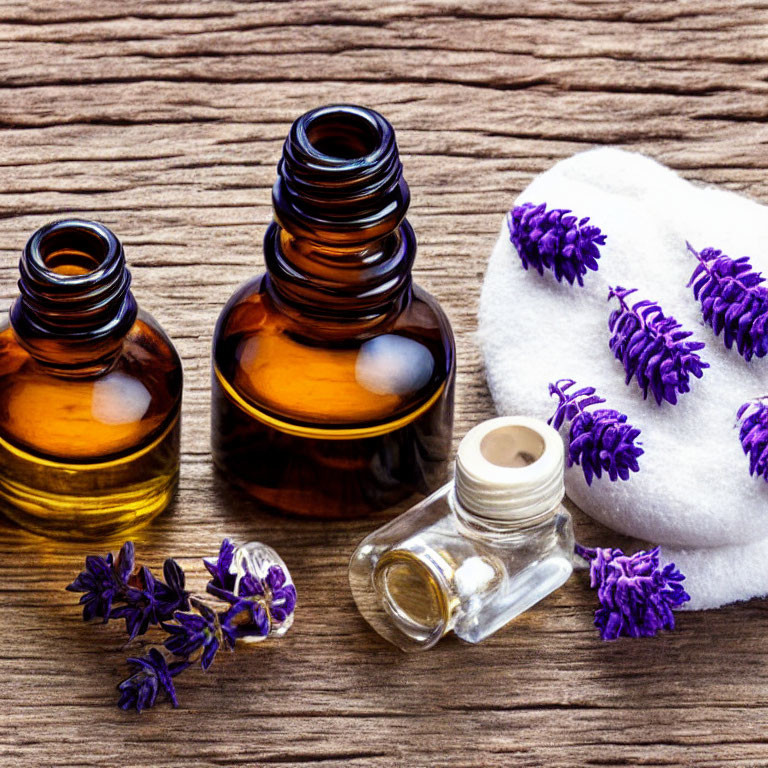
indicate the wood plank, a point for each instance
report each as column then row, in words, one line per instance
column 165, row 120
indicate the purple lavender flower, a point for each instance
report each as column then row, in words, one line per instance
column 599, row 441
column 244, row 619
column 170, row 594
column 652, row 348
column 140, row 609
column 279, row 595
column 282, row 596
column 116, row 588
column 222, row 583
column 150, row 674
column 100, row 584
column 636, row 596
column 550, row 239
column 733, row 300
column 263, row 606
column 103, row 581
column 753, row 434
column 204, row 631
column 193, row 631
column 250, row 586
column 125, row 563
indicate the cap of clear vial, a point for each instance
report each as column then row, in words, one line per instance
column 511, row 469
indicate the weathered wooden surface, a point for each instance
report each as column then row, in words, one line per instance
column 165, row 121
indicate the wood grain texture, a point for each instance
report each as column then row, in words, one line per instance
column 165, row 120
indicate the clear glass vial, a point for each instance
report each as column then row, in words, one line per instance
column 332, row 386
column 90, row 391
column 479, row 551
column 259, row 560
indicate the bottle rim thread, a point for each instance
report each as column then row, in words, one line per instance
column 67, row 319
column 510, row 470
column 340, row 243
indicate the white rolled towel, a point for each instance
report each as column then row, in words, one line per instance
column 693, row 494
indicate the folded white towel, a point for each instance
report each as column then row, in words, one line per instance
column 693, row 493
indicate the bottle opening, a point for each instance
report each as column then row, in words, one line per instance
column 75, row 304
column 340, row 247
column 343, row 135
column 511, row 470
column 73, row 252
column 513, row 446
column 412, row 598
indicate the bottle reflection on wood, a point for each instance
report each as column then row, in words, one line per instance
column 333, row 374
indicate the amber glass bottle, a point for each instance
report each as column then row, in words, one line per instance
column 332, row 373
column 90, row 391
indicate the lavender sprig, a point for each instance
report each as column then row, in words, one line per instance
column 550, row 239
column 116, row 588
column 223, row 576
column 733, row 300
column 600, row 440
column 247, row 619
column 150, row 674
column 103, row 581
column 753, row 435
column 636, row 596
column 193, row 632
column 253, row 598
column 198, row 634
column 652, row 347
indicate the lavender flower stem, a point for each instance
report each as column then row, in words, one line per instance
column 116, row 587
column 581, row 557
column 552, row 239
column 752, row 420
column 653, row 348
column 598, row 440
column 249, row 597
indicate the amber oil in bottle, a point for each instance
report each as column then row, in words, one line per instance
column 333, row 374
column 90, row 391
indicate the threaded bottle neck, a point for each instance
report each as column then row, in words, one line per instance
column 75, row 304
column 340, row 241
column 510, row 472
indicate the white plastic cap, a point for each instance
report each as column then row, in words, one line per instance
column 511, row 469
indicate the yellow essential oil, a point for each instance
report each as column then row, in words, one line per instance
column 90, row 392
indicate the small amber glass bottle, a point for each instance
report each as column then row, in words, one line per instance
column 332, row 373
column 90, row 391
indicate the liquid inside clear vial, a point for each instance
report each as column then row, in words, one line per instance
column 441, row 567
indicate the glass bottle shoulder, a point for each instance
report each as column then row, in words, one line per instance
column 438, row 519
column 82, row 420
column 293, row 369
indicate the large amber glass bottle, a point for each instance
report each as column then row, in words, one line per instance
column 90, row 391
column 332, row 373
